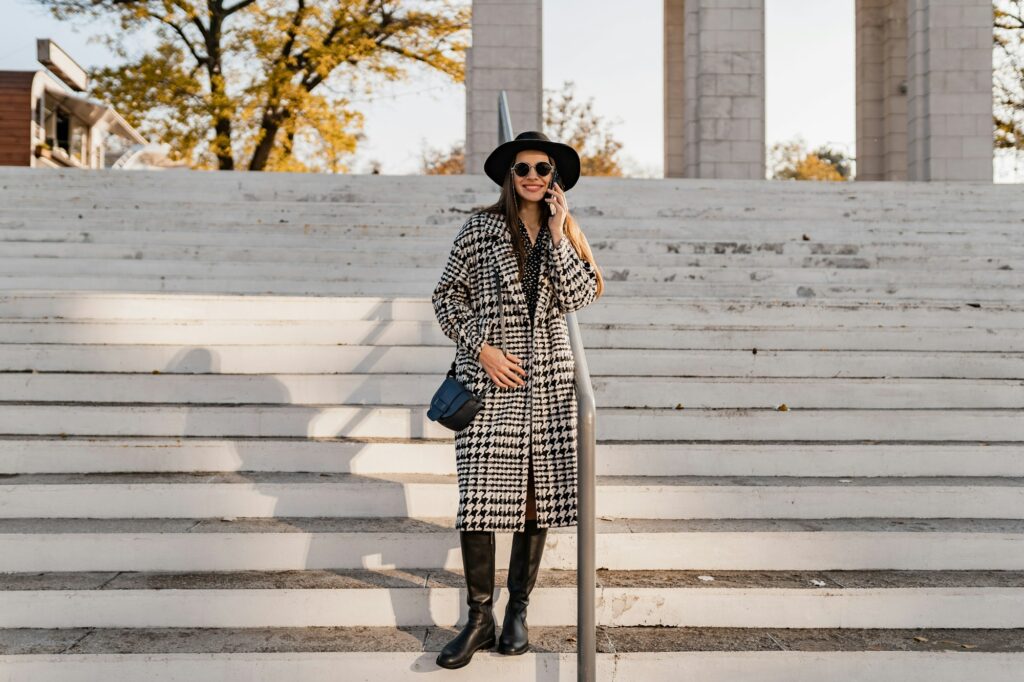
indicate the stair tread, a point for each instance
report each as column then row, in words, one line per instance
column 391, row 479
column 373, row 525
column 432, row 578
column 560, row 639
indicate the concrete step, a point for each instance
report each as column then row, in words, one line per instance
column 602, row 197
column 369, row 654
column 613, row 424
column 473, row 189
column 322, row 494
column 684, row 277
column 231, row 345
column 723, row 255
column 411, row 225
column 346, row 187
column 428, row 597
column 595, row 197
column 838, row 244
column 792, row 292
column 663, row 195
column 841, row 253
column 398, row 356
column 414, row 390
column 292, row 543
column 664, row 310
column 86, row 455
column 403, row 221
column 477, row 189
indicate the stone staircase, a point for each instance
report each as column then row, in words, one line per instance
column 215, row 462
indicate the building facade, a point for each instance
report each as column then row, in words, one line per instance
column 45, row 121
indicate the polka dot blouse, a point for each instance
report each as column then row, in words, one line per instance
column 532, row 270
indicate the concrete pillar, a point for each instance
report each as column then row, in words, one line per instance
column 714, row 89
column 949, row 107
column 674, row 84
column 881, row 89
column 505, row 55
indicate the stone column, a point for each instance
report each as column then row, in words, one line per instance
column 674, row 86
column 505, row 55
column 714, row 89
column 881, row 89
column 949, row 107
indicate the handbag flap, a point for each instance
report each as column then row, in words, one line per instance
column 448, row 399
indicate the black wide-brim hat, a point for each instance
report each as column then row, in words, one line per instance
column 567, row 161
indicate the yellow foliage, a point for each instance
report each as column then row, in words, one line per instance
column 790, row 161
column 260, row 84
column 813, row 168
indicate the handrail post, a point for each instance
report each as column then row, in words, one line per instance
column 586, row 526
column 586, row 530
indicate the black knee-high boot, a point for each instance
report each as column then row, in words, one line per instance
column 523, row 565
column 479, row 631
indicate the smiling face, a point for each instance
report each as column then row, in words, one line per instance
column 532, row 187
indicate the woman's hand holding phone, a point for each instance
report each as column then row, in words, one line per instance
column 549, row 194
column 559, row 208
column 501, row 368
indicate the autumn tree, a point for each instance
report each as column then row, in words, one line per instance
column 247, row 83
column 451, row 161
column 1008, row 86
column 569, row 120
column 791, row 161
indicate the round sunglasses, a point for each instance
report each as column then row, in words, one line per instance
column 522, row 169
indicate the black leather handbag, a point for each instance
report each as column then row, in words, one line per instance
column 453, row 405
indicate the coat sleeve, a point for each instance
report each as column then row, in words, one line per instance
column 451, row 299
column 573, row 278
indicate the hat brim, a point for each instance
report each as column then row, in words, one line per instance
column 567, row 161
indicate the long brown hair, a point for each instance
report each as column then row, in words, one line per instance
column 507, row 205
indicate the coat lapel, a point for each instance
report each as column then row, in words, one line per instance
column 508, row 268
column 544, row 287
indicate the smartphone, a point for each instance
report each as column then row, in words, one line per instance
column 554, row 179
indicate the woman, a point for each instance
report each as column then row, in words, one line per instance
column 516, row 461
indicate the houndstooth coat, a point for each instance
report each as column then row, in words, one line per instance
column 538, row 417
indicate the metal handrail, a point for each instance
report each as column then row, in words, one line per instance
column 504, row 119
column 586, row 576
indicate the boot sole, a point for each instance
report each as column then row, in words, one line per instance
column 483, row 647
column 513, row 652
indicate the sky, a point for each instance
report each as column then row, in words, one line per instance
column 812, row 98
